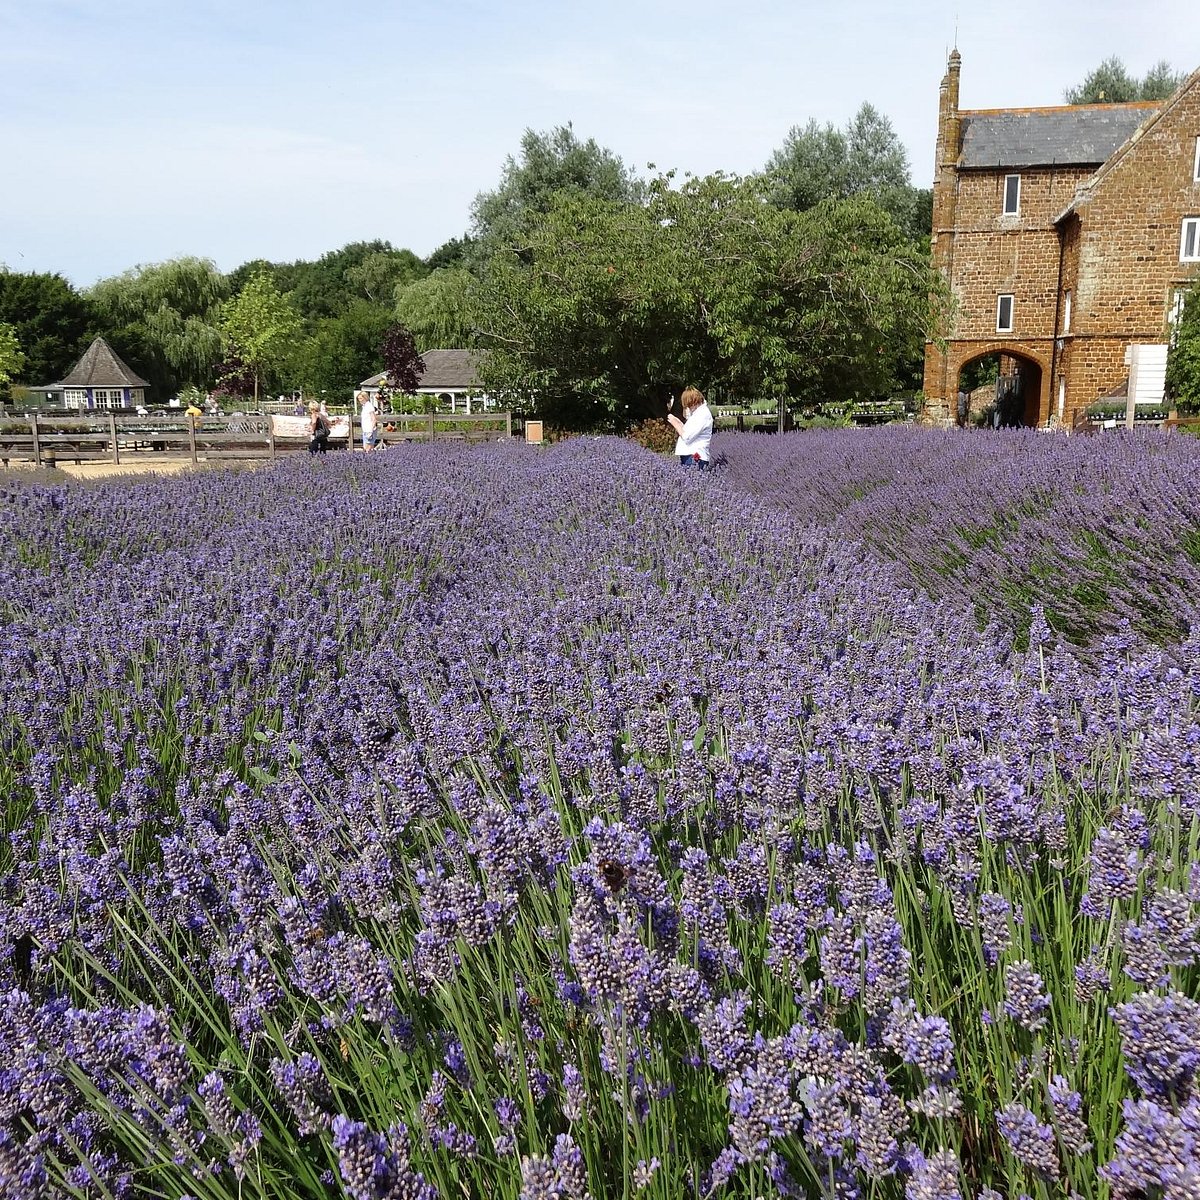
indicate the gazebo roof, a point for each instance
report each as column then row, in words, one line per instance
column 102, row 367
column 445, row 370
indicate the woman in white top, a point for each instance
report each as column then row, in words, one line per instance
column 695, row 430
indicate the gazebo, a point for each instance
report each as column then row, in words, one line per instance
column 101, row 380
column 450, row 375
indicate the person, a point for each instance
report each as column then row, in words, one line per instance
column 369, row 412
column 318, row 427
column 695, row 430
column 196, row 414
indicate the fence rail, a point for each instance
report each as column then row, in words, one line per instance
column 120, row 437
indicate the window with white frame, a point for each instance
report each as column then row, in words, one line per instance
column 1067, row 312
column 1012, row 195
column 1196, row 163
column 1189, row 240
column 1062, row 397
column 1175, row 313
column 74, row 397
column 1004, row 314
column 107, row 397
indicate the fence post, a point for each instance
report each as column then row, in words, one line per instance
column 112, row 433
column 350, row 419
column 432, row 427
column 508, row 424
column 192, row 437
column 37, row 445
column 271, row 435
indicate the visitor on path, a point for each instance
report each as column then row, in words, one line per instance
column 695, row 430
column 371, row 434
column 318, row 428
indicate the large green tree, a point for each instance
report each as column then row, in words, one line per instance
column 163, row 319
column 609, row 306
column 342, row 351
column 1183, row 359
column 53, row 323
column 262, row 326
column 866, row 158
column 1111, row 83
column 438, row 309
column 550, row 165
column 324, row 288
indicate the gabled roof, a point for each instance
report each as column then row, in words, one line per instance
column 1071, row 135
column 101, row 367
column 452, row 370
column 1085, row 191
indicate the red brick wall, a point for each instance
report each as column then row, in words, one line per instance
column 1118, row 256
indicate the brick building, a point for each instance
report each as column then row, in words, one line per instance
column 1067, row 235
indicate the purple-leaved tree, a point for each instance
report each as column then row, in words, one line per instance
column 402, row 365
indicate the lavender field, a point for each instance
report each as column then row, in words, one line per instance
column 492, row 822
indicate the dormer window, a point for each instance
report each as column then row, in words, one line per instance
column 1004, row 314
column 1012, row 195
column 1189, row 240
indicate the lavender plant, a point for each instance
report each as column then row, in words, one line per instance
column 578, row 828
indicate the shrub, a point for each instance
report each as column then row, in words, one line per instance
column 654, row 435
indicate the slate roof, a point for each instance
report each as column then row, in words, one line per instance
column 449, row 370
column 101, row 367
column 1076, row 135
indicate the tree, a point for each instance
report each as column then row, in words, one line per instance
column 438, row 309
column 819, row 162
column 262, row 324
column 163, row 320
column 402, row 365
column 609, row 306
column 454, row 253
column 1183, row 359
column 53, row 323
column 343, row 350
column 1111, row 83
column 550, row 164
column 11, row 357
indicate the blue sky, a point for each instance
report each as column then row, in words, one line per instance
column 134, row 131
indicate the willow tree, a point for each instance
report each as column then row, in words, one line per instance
column 163, row 319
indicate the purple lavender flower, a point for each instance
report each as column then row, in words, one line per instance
column 1026, row 1000
column 1031, row 1142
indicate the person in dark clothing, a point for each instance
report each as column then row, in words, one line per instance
column 318, row 427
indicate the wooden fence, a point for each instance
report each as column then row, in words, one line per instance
column 118, row 437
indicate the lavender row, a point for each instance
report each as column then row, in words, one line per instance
column 485, row 822
column 1101, row 532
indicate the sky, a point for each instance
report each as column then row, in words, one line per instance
column 135, row 131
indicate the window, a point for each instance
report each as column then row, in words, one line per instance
column 1196, row 163
column 74, row 397
column 1174, row 313
column 1067, row 313
column 1004, row 314
column 1012, row 195
column 1189, row 240
column 1062, row 397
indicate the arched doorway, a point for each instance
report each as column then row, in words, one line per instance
column 999, row 389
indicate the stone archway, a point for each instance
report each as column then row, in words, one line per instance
column 1022, row 388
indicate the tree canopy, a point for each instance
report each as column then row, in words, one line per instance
column 163, row 319
column 342, row 350
column 52, row 321
column 1111, row 83
column 819, row 162
column 551, row 165
column 261, row 326
column 609, row 306
column 437, row 309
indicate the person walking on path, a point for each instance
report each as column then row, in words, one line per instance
column 369, row 412
column 695, row 430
